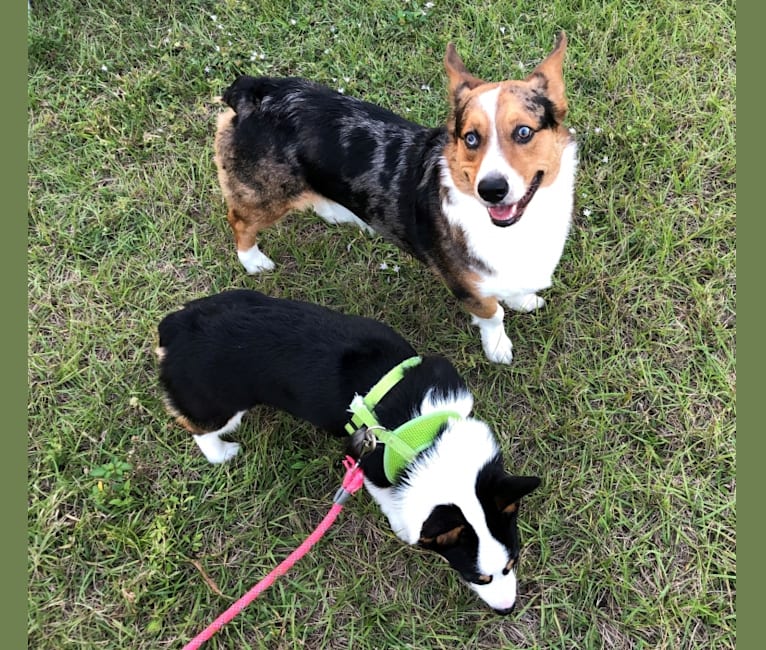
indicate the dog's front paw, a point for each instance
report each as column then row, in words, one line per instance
column 526, row 303
column 254, row 261
column 499, row 350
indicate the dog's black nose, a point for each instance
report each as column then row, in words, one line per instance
column 505, row 612
column 493, row 189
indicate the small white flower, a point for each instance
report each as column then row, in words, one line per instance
column 213, row 17
column 605, row 159
column 396, row 268
column 327, row 51
column 261, row 56
column 207, row 68
column 217, row 48
column 425, row 87
column 502, row 30
column 407, row 110
column 429, row 5
column 333, row 28
column 104, row 68
column 383, row 266
column 341, row 90
column 346, row 79
column 293, row 21
column 597, row 129
column 521, row 65
column 572, row 130
column 586, row 212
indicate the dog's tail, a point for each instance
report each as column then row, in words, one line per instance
column 246, row 93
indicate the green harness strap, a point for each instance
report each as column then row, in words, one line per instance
column 407, row 440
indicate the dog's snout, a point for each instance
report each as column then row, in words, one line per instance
column 505, row 611
column 493, row 189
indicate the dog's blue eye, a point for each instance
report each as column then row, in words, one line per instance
column 523, row 134
column 472, row 140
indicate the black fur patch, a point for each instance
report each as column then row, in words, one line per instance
column 238, row 349
column 539, row 105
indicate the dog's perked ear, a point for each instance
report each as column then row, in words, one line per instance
column 459, row 78
column 548, row 78
column 511, row 489
column 443, row 527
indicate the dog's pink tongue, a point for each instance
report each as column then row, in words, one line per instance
column 502, row 212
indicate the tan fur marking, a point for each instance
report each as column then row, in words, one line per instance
column 511, row 507
column 462, row 282
column 179, row 418
column 188, row 425
column 256, row 202
column 450, row 538
column 475, row 303
column 542, row 153
column 464, row 163
column 161, row 353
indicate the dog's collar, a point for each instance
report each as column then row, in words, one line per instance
column 406, row 441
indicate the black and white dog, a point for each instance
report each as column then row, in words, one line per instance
column 222, row 355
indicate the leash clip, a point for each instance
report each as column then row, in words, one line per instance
column 352, row 481
column 363, row 442
column 369, row 441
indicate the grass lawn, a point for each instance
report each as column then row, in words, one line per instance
column 621, row 395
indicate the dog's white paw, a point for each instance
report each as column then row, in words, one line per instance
column 498, row 350
column 225, row 452
column 254, row 261
column 526, row 303
column 216, row 450
column 335, row 213
column 497, row 346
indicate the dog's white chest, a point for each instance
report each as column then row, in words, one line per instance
column 522, row 257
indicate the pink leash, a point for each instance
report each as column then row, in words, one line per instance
column 352, row 481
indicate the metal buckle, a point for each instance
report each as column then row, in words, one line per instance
column 363, row 441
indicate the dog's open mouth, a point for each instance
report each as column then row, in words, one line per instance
column 507, row 215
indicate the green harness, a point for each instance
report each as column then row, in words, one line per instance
column 407, row 440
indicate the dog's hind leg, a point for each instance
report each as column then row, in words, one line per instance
column 215, row 449
column 524, row 302
column 245, row 236
column 335, row 213
column 247, row 220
